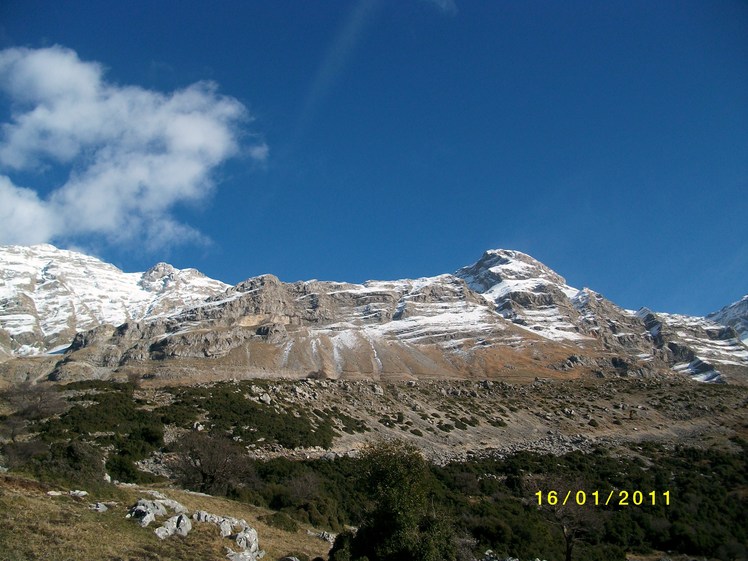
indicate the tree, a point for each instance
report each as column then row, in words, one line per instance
column 208, row 464
column 28, row 403
column 577, row 522
column 400, row 524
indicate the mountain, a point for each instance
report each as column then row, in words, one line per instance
column 735, row 315
column 506, row 316
column 537, row 298
column 47, row 295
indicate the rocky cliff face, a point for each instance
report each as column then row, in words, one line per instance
column 507, row 315
column 431, row 327
column 696, row 346
column 533, row 296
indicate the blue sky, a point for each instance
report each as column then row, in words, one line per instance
column 382, row 139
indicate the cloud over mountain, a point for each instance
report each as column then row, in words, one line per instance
column 128, row 155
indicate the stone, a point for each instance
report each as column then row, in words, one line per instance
column 225, row 527
column 99, row 507
column 179, row 525
column 243, row 555
column 202, row 516
column 183, row 525
column 247, row 540
column 145, row 511
column 78, row 494
column 324, row 536
column 177, row 507
column 146, row 518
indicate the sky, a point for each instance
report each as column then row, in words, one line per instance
column 385, row 139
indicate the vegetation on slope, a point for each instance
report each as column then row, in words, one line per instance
column 405, row 507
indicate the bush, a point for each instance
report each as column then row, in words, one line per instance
column 230, row 412
column 74, row 463
column 281, row 521
column 398, row 525
column 210, row 465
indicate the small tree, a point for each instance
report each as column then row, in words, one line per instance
column 209, row 464
column 578, row 523
column 29, row 402
column 400, row 525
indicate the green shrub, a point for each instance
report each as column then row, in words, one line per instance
column 122, row 468
column 229, row 411
column 73, row 463
column 281, row 521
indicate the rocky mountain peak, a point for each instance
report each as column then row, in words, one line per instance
column 47, row 295
column 500, row 265
column 735, row 315
column 159, row 271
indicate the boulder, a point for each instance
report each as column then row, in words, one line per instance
column 243, row 555
column 177, row 507
column 179, row 524
column 247, row 540
column 145, row 511
column 225, row 527
column 202, row 516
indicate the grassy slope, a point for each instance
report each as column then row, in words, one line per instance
column 40, row 527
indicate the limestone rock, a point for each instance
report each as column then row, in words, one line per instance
column 247, row 540
column 145, row 511
column 179, row 525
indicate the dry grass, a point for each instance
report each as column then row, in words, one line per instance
column 40, row 527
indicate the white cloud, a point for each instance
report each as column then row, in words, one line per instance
column 24, row 219
column 132, row 154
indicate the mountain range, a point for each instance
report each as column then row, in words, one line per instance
column 72, row 316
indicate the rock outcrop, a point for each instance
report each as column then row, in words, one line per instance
column 243, row 536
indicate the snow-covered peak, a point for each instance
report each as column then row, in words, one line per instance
column 48, row 294
column 500, row 265
column 525, row 291
column 159, row 271
column 735, row 315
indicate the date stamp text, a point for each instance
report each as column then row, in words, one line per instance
column 616, row 497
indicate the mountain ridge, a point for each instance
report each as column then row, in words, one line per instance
column 505, row 313
column 47, row 294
